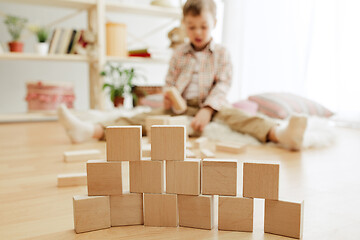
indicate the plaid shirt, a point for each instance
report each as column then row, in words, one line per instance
column 215, row 73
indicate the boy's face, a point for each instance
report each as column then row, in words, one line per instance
column 199, row 28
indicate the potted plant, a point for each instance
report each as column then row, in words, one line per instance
column 15, row 25
column 42, row 34
column 119, row 81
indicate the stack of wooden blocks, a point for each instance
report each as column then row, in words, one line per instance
column 169, row 190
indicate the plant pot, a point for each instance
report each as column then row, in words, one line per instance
column 118, row 101
column 16, row 46
column 42, row 48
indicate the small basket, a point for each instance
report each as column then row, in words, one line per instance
column 47, row 96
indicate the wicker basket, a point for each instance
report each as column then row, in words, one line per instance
column 47, row 96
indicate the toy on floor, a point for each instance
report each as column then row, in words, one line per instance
column 191, row 184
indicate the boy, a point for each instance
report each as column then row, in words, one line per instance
column 201, row 71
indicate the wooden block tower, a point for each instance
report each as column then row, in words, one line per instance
column 191, row 186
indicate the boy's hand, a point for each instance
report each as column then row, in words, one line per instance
column 167, row 101
column 202, row 118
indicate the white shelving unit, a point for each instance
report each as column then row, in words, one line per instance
column 96, row 11
column 50, row 57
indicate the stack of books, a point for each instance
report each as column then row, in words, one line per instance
column 139, row 53
column 64, row 41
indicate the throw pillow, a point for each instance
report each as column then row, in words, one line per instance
column 282, row 105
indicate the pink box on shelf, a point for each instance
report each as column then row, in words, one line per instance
column 47, row 96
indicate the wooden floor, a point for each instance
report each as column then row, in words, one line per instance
column 32, row 207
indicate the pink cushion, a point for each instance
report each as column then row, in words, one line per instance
column 247, row 106
column 282, row 105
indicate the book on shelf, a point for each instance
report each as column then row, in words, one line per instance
column 60, row 41
column 139, row 53
column 54, row 40
column 65, row 41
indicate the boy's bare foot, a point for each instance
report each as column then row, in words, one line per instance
column 292, row 135
column 78, row 131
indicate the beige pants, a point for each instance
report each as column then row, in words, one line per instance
column 236, row 119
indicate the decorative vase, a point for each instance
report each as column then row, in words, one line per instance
column 16, row 46
column 42, row 48
column 118, row 101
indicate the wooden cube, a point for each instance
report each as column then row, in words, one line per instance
column 219, row 177
column 168, row 142
column 178, row 120
column 156, row 120
column 200, row 142
column 190, row 154
column 71, row 179
column 236, row 214
column 82, row 155
column 104, row 178
column 178, row 103
column 196, row 211
column 230, row 148
column 284, row 218
column 183, row 177
column 91, row 213
column 146, row 150
column 123, row 143
column 160, row 210
column 126, row 209
column 261, row 180
column 205, row 153
column 147, row 176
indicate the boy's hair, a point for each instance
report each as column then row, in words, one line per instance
column 196, row 7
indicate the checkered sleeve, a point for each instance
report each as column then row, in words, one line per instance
column 171, row 74
column 217, row 96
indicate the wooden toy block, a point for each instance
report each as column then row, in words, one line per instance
column 236, row 214
column 205, row 153
column 261, row 181
column 183, row 177
column 178, row 120
column 146, row 150
column 190, row 154
column 168, row 142
column 156, row 120
column 284, row 218
column 219, row 177
column 123, row 143
column 126, row 209
column 81, row 155
column 178, row 103
column 230, row 148
column 71, row 179
column 147, row 176
column 196, row 211
column 91, row 213
column 104, row 178
column 160, row 210
column 200, row 142
column 148, row 134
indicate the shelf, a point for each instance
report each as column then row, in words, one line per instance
column 137, row 60
column 142, row 9
column 79, row 4
column 50, row 57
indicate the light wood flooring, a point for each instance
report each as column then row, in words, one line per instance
column 32, row 207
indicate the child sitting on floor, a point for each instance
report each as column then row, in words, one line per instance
column 202, row 72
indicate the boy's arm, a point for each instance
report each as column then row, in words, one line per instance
column 217, row 96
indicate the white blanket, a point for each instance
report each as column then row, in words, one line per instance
column 319, row 132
